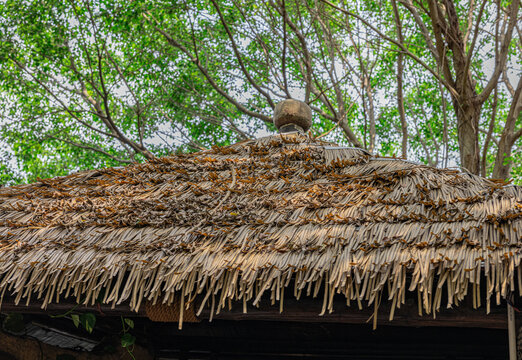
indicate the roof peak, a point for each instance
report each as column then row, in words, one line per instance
column 292, row 115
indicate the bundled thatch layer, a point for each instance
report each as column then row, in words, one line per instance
column 237, row 222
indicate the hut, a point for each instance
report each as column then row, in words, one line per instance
column 284, row 228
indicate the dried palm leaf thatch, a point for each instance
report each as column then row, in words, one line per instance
column 237, row 222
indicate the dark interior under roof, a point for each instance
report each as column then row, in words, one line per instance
column 286, row 340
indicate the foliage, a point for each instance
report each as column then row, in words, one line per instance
column 127, row 339
column 7, row 173
column 103, row 83
column 87, row 321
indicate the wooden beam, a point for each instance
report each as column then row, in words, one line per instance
column 63, row 307
column 307, row 310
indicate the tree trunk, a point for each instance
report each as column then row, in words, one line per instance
column 468, row 114
column 448, row 36
column 502, row 161
column 509, row 136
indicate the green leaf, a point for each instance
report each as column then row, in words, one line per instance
column 129, row 322
column 127, row 340
column 75, row 319
column 88, row 320
column 51, row 131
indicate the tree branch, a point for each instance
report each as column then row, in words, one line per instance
column 500, row 62
column 92, row 148
column 401, row 46
column 475, row 36
column 239, row 58
column 304, row 49
column 400, row 97
column 204, row 71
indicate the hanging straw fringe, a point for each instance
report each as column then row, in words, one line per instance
column 238, row 222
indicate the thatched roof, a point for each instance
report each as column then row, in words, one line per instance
column 237, row 222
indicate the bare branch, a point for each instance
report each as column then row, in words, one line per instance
column 470, row 20
column 423, row 29
column 138, row 109
column 191, row 141
column 92, row 148
column 400, row 97
column 56, row 98
column 509, row 136
column 304, row 49
column 204, row 71
column 500, row 61
column 283, row 60
column 492, row 138
column 239, row 57
column 475, row 36
column 489, row 133
column 401, row 46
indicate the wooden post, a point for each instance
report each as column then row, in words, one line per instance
column 519, row 341
column 512, row 333
column 518, row 326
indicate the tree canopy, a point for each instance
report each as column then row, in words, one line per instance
column 100, row 83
